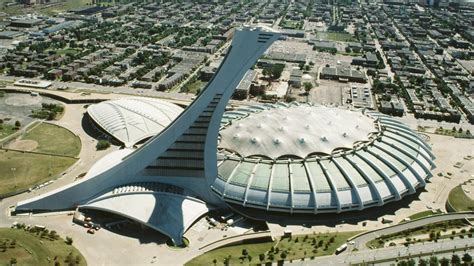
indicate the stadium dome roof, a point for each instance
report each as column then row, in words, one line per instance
column 379, row 160
column 133, row 119
column 298, row 131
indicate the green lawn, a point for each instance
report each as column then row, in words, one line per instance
column 54, row 139
column 459, row 200
column 6, row 130
column 419, row 233
column 299, row 248
column 335, row 36
column 295, row 248
column 421, row 215
column 195, row 86
column 29, row 168
column 234, row 251
column 30, row 249
column 289, row 24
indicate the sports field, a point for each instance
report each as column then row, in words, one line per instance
column 27, row 248
column 37, row 156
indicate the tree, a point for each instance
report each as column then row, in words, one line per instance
column 307, row 86
column 244, row 252
column 249, row 257
column 348, row 49
column 17, row 123
column 432, row 235
column 467, row 258
column 422, row 262
column 214, row 261
column 102, row 144
column 13, row 261
column 274, row 71
column 261, row 257
column 434, row 261
column 455, row 259
column 69, row 240
column 444, row 262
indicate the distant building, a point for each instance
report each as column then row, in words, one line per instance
column 295, row 78
column 10, row 34
column 25, row 23
column 343, row 74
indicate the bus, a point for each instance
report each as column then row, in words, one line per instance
column 341, row 248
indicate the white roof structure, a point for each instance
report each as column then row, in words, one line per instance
column 160, row 206
column 298, row 131
column 325, row 159
column 131, row 120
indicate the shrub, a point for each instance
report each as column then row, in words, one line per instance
column 102, row 145
column 69, row 240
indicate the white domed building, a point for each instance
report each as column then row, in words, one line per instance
column 133, row 119
column 301, row 158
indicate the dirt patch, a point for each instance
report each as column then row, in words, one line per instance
column 24, row 145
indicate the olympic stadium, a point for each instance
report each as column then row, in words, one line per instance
column 284, row 158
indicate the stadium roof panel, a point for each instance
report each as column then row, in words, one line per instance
column 131, row 120
column 282, row 131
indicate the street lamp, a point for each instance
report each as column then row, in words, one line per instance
column 13, row 172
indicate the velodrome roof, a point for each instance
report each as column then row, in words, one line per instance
column 133, row 119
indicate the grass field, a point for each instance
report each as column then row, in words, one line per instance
column 6, row 130
column 30, row 249
column 419, row 233
column 67, row 51
column 54, row 139
column 29, row 168
column 421, row 215
column 335, row 36
column 295, row 248
column 235, row 252
column 289, row 24
column 195, row 86
column 459, row 200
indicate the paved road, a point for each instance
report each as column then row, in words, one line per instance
column 389, row 253
column 361, row 240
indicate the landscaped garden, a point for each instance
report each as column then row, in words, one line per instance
column 297, row 247
column 36, row 246
column 431, row 232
